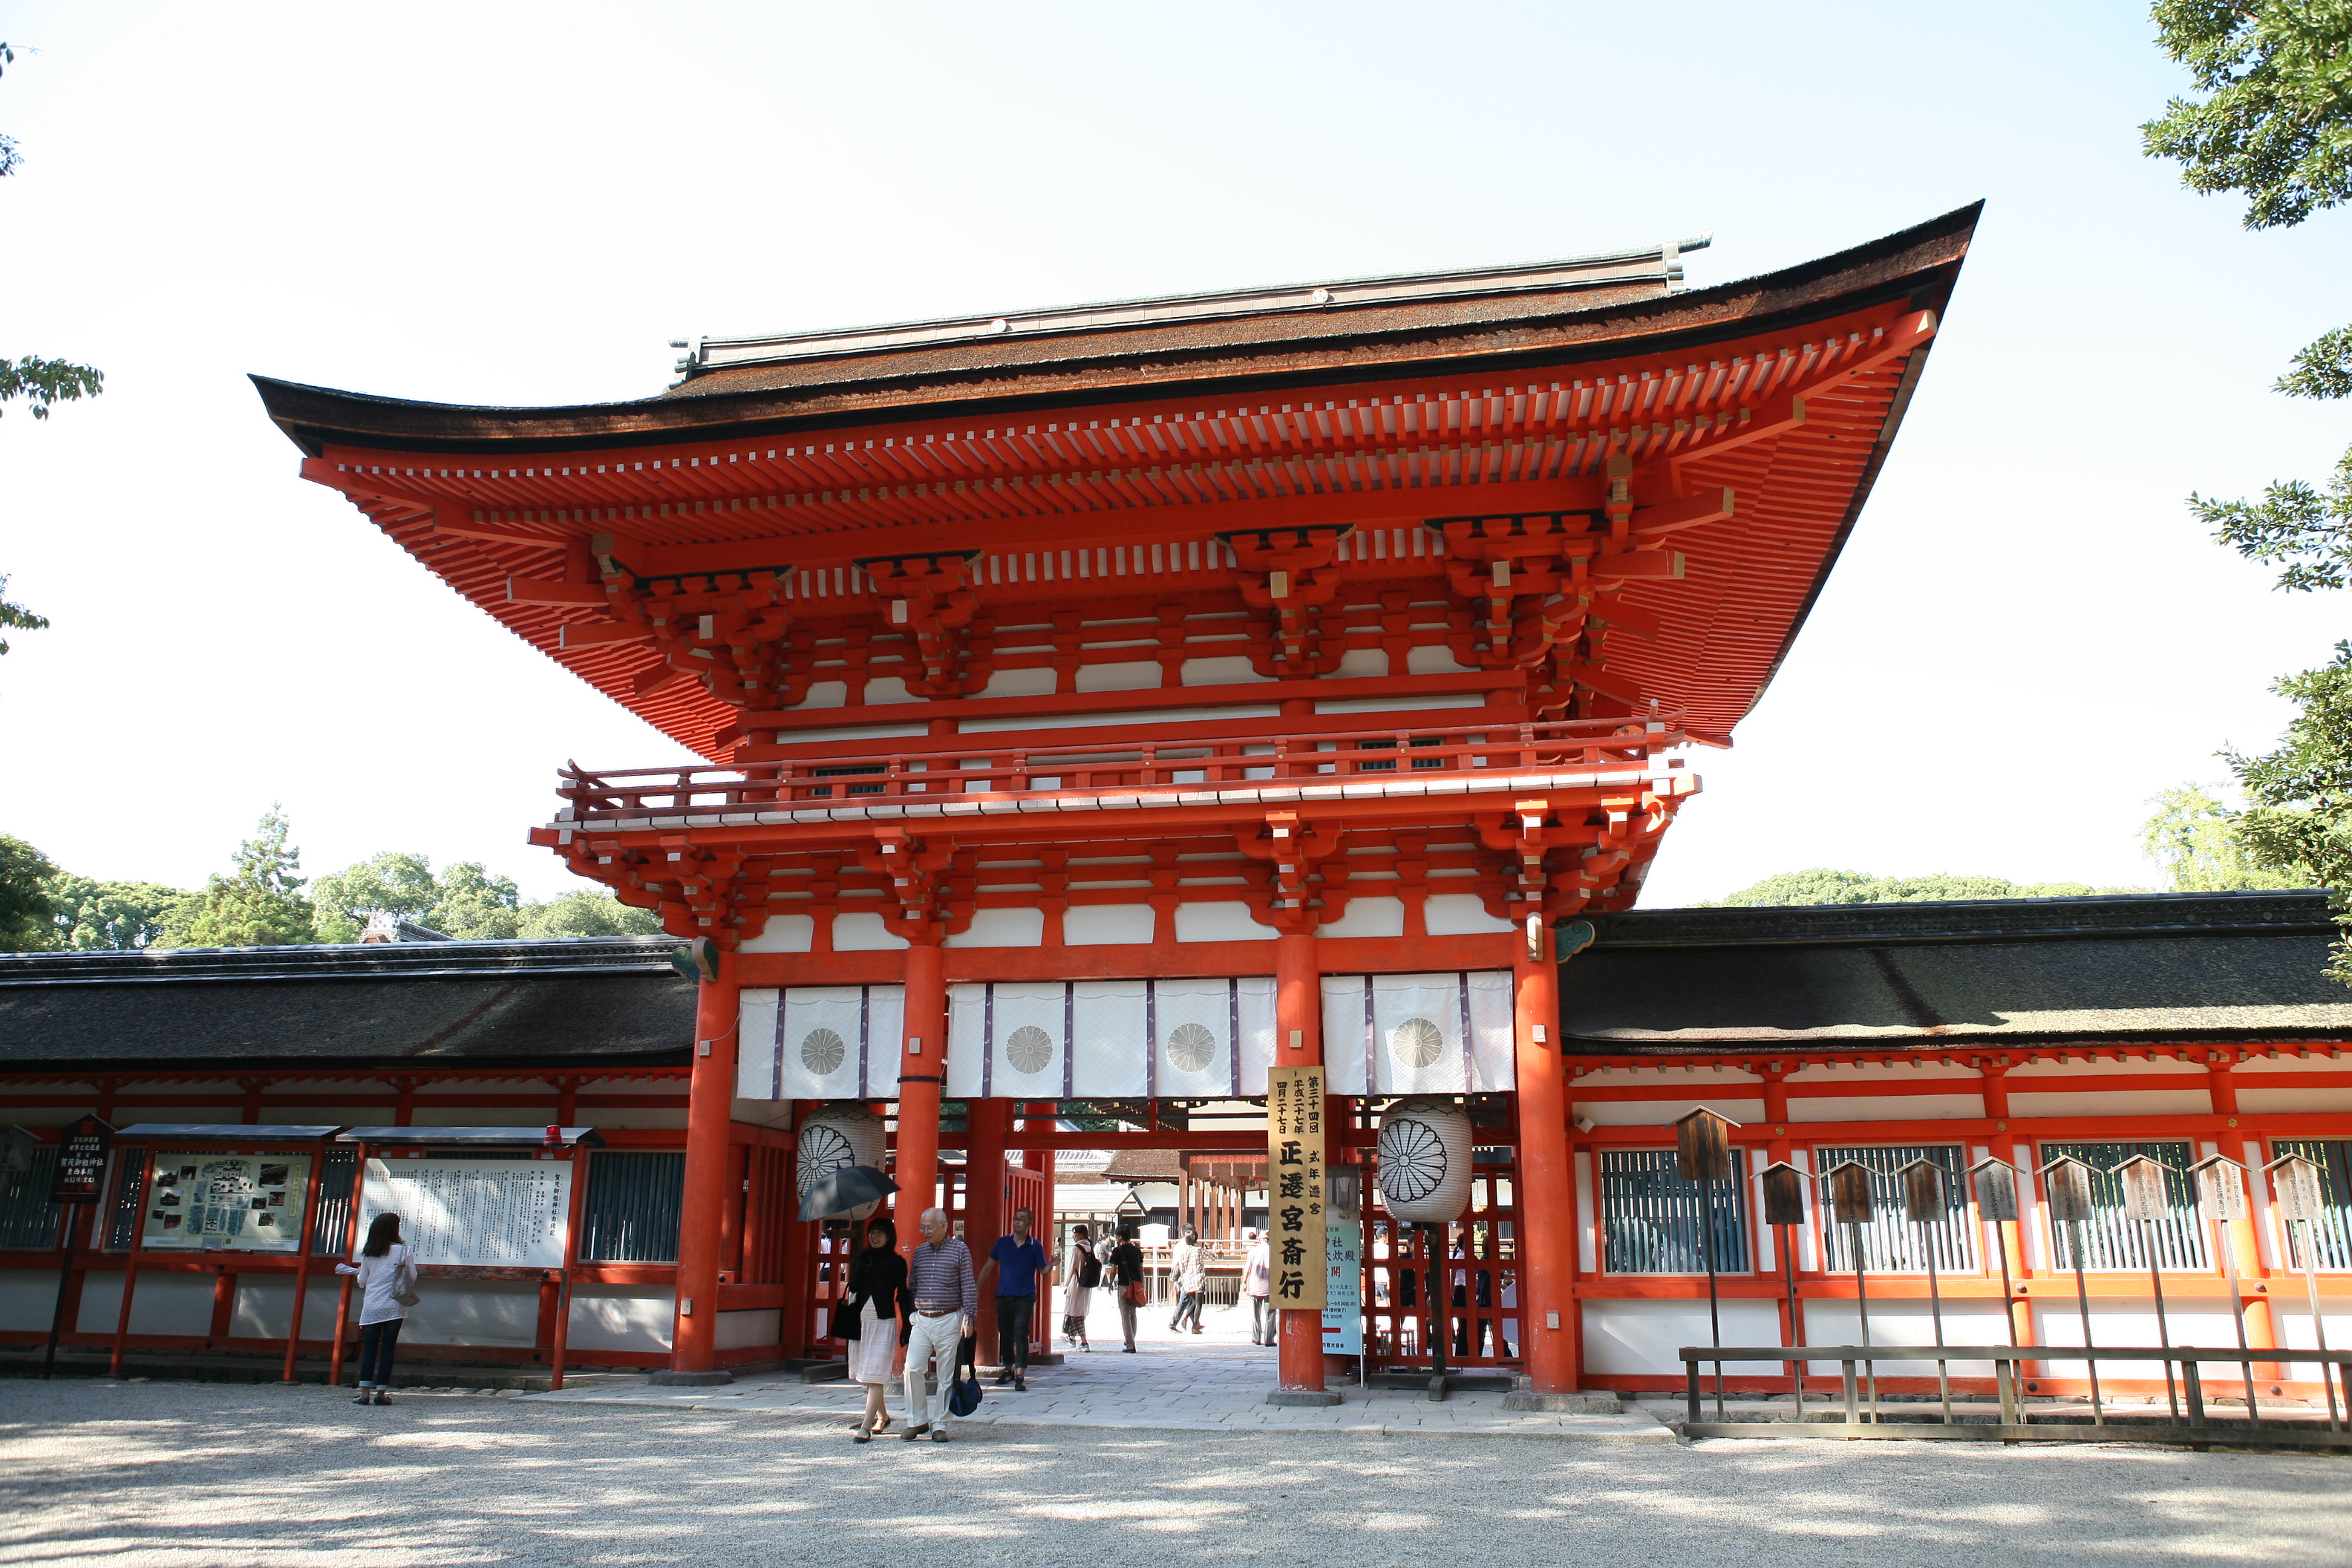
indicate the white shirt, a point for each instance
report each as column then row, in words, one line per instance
column 381, row 1280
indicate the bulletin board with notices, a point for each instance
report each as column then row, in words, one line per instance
column 243, row 1203
column 476, row 1213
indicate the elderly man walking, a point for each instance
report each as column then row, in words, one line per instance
column 946, row 1303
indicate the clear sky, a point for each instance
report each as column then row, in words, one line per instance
column 503, row 203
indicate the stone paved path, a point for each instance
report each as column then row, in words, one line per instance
column 182, row 1475
column 1215, row 1382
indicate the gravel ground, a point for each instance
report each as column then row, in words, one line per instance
column 193, row 1474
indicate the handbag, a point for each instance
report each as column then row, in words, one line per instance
column 963, row 1395
column 409, row 1298
column 1135, row 1292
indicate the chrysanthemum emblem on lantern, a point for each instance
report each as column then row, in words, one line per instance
column 842, row 1133
column 1424, row 1156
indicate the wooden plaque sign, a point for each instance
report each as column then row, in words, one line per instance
column 1294, row 1141
column 81, row 1162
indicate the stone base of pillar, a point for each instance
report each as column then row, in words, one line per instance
column 1566, row 1404
column 1318, row 1396
column 690, row 1379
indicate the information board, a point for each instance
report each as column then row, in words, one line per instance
column 1343, row 1244
column 1293, row 1137
column 80, row 1175
column 482, row 1213
column 244, row 1203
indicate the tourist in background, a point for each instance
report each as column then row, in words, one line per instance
column 1127, row 1279
column 1081, row 1272
column 1022, row 1260
column 1190, row 1265
column 946, row 1304
column 1257, row 1282
column 872, row 1318
column 387, row 1273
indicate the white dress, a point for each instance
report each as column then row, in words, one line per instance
column 872, row 1353
column 1077, row 1299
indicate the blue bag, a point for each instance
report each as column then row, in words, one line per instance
column 963, row 1395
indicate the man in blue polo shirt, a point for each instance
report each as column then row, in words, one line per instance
column 1023, row 1263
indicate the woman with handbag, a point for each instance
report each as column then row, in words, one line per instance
column 387, row 1275
column 1084, row 1273
column 871, row 1316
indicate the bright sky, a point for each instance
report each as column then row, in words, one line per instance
column 501, row 202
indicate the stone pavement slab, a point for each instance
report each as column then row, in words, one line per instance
column 1174, row 1386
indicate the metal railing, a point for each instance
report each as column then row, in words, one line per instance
column 2200, row 1429
column 1621, row 745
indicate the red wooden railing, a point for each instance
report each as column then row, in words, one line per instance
column 1615, row 745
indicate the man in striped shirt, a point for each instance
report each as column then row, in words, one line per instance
column 945, row 1301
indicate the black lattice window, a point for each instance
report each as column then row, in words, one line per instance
column 1650, row 1216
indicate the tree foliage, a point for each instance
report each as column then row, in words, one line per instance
column 26, row 925
column 16, row 616
column 40, row 382
column 2275, row 125
column 260, row 904
column 95, row 916
column 2198, row 840
column 2298, row 818
column 1821, row 885
column 467, row 901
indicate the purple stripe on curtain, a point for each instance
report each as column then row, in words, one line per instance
column 1469, row 1058
column 987, row 1039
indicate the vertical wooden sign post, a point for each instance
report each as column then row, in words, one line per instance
column 2221, row 1198
column 1294, row 1142
column 79, row 1179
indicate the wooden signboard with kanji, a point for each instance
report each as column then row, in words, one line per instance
column 1294, row 1138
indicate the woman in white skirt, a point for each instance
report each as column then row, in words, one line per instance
column 872, row 1317
column 1084, row 1272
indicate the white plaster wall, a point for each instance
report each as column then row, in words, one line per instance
column 2128, row 1322
column 884, row 688
column 785, row 933
column 642, row 1117
column 2123, row 1102
column 1228, row 671
column 1437, row 660
column 1887, row 1108
column 1661, row 1112
column 474, row 1312
column 265, row 1305
column 1106, row 925
column 1460, row 914
column 1369, row 917
column 1906, row 1322
column 621, row 1318
column 163, row 1304
column 1128, row 675
column 1019, row 683
column 2254, row 1102
column 995, row 928
column 1630, row 1338
column 750, row 1330
column 862, row 933
column 28, row 1298
column 1221, row 923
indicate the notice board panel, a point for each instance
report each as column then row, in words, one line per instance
column 243, row 1203
column 479, row 1213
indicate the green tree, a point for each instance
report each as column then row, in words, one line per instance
column 1823, row 886
column 27, row 922
column 40, row 382
column 92, row 916
column 260, row 905
column 394, row 881
column 586, row 911
column 2197, row 839
column 2298, row 819
column 476, row 905
column 17, row 617
column 2275, row 125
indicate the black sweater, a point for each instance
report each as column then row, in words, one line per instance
column 876, row 1274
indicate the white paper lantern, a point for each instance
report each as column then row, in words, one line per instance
column 840, row 1133
column 1425, row 1154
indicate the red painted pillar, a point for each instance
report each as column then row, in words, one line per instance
column 1297, row 1043
column 1545, row 1173
column 2261, row 1328
column 711, row 1106
column 986, row 1124
column 922, row 1071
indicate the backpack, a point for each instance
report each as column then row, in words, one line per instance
column 1090, row 1270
